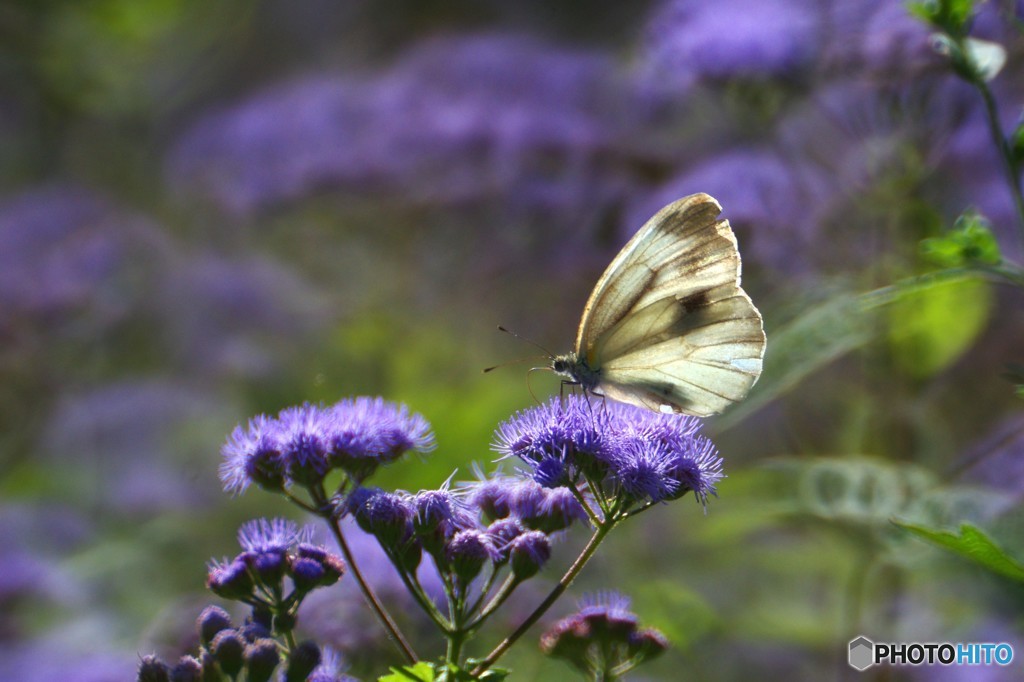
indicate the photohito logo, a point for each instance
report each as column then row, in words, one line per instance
column 864, row 653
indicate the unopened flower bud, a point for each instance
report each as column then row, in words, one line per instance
column 528, row 554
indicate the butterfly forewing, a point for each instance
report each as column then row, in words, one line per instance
column 667, row 323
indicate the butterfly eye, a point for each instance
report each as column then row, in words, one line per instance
column 558, row 365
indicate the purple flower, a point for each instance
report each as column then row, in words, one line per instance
column 303, row 443
column 456, row 119
column 523, row 499
column 775, row 203
column 559, row 435
column 438, row 515
column 528, row 553
column 230, row 579
column 881, row 39
column 608, row 609
column 275, row 535
column 602, row 635
column 687, row 41
column 330, row 669
column 385, row 515
column 503, row 532
column 618, row 448
column 305, row 436
column 252, row 454
column 63, row 247
column 367, row 432
column 468, row 552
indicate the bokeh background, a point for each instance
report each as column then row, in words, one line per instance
column 214, row 208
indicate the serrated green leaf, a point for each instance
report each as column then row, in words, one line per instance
column 420, row 672
column 971, row 543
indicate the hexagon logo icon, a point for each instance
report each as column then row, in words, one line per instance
column 862, row 653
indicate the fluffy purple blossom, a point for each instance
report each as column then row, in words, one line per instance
column 528, row 553
column 455, row 119
column 468, row 552
column 620, row 449
column 271, row 550
column 688, row 41
column 274, row 535
column 603, row 634
column 523, row 499
column 774, row 201
column 385, row 515
column 438, row 515
column 331, row 668
column 303, row 443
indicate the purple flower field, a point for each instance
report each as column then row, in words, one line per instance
column 252, row 261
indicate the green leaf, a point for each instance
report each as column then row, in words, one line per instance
column 930, row 327
column 949, row 15
column 972, row 544
column 969, row 242
column 420, row 672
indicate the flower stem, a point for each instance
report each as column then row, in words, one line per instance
column 556, row 592
column 371, row 598
column 1006, row 155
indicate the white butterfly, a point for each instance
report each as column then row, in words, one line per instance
column 667, row 326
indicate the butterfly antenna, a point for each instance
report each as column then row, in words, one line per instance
column 529, row 341
column 511, row 362
column 547, row 354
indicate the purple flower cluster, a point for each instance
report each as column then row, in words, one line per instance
column 302, row 444
column 615, row 449
column 603, row 635
column 497, row 522
column 690, row 41
column 454, row 120
column 272, row 551
column 249, row 648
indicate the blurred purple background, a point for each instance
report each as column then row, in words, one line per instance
column 213, row 209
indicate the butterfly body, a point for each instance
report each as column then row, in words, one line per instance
column 668, row 326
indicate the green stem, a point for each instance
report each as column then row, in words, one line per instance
column 556, row 592
column 414, row 588
column 1008, row 163
column 507, row 588
column 388, row 623
column 484, row 590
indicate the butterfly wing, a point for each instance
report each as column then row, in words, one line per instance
column 668, row 324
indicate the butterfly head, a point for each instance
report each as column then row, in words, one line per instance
column 576, row 370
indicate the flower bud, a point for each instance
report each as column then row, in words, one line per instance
column 228, row 648
column 261, row 659
column 306, row 574
column 467, row 552
column 303, row 660
column 269, row 567
column 231, row 581
column 528, row 554
column 502, row 533
column 152, row 669
column 647, row 644
column 212, row 620
column 188, row 669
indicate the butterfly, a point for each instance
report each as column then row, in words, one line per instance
column 667, row 327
